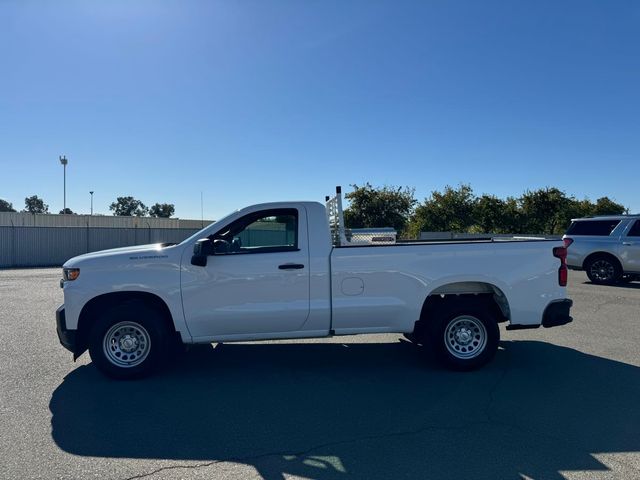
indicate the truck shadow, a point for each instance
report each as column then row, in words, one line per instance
column 367, row 410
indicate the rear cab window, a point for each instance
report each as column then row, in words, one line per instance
column 600, row 228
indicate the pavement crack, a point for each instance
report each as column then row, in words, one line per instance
column 248, row 458
column 174, row 467
column 606, row 303
column 417, row 431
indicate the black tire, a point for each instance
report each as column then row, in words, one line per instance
column 143, row 341
column 603, row 270
column 464, row 335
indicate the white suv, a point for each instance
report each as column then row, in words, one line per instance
column 607, row 247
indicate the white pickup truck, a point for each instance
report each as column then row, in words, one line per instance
column 291, row 270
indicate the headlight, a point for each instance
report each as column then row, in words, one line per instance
column 70, row 274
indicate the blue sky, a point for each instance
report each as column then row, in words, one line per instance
column 251, row 101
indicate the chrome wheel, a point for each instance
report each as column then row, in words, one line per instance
column 465, row 337
column 602, row 270
column 126, row 344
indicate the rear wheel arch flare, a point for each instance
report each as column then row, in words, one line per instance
column 467, row 292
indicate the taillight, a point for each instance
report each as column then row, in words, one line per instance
column 563, row 276
column 568, row 241
column 563, row 271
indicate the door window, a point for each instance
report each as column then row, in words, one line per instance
column 260, row 232
column 635, row 230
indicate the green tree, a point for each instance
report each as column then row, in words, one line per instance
column 162, row 210
column 6, row 206
column 35, row 204
column 545, row 210
column 579, row 208
column 67, row 211
column 128, row 206
column 494, row 215
column 606, row 206
column 448, row 211
column 583, row 208
column 488, row 214
column 512, row 216
column 379, row 207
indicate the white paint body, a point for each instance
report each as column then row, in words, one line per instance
column 344, row 290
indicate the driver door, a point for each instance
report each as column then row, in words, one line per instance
column 258, row 280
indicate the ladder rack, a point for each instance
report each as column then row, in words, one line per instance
column 344, row 237
column 335, row 216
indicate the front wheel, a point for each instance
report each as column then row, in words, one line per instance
column 128, row 341
column 464, row 337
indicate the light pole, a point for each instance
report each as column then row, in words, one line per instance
column 91, row 202
column 64, row 161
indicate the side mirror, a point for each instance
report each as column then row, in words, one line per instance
column 201, row 250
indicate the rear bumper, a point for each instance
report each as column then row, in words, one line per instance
column 557, row 313
column 68, row 338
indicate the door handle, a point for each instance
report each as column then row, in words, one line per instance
column 627, row 243
column 291, row 266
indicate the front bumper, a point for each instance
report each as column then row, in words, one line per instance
column 68, row 338
column 557, row 313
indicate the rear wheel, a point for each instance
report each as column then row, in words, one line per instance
column 603, row 270
column 464, row 336
column 128, row 341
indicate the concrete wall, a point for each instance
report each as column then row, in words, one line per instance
column 19, row 219
column 52, row 246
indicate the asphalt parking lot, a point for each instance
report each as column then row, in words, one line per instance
column 556, row 403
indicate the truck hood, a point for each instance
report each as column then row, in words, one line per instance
column 151, row 251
